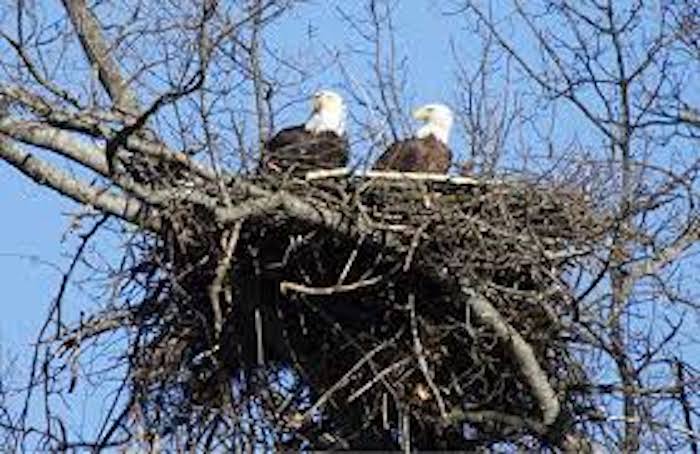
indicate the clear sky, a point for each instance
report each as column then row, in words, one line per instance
column 31, row 255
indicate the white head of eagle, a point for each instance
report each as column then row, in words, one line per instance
column 438, row 121
column 328, row 113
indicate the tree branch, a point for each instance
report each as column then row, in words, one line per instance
column 92, row 157
column 127, row 208
column 57, row 140
column 531, row 371
column 98, row 53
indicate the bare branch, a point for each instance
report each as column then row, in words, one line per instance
column 127, row 208
column 300, row 288
column 98, row 53
column 228, row 245
column 525, row 357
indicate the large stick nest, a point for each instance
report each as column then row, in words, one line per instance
column 347, row 334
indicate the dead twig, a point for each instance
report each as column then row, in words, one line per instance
column 318, row 291
column 228, row 244
column 422, row 361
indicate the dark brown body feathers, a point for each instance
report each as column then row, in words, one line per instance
column 416, row 155
column 297, row 150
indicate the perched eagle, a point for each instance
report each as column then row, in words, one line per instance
column 320, row 143
column 428, row 150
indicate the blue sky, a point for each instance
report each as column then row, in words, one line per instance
column 30, row 253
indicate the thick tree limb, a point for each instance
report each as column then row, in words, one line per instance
column 530, row 368
column 98, row 53
column 269, row 201
column 57, row 140
column 96, row 124
column 127, row 208
column 92, row 157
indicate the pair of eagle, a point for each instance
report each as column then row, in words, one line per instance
column 321, row 143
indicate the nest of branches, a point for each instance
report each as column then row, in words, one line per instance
column 386, row 308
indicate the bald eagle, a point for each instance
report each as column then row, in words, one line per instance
column 427, row 151
column 320, row 143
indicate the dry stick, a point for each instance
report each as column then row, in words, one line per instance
column 385, row 411
column 424, row 176
column 393, row 175
column 377, row 378
column 351, row 260
column 415, row 241
column 522, row 351
column 229, row 245
column 300, row 288
column 326, row 173
column 259, row 338
column 345, row 379
column 420, row 354
column 405, row 431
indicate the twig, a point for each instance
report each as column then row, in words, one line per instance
column 260, row 348
column 377, row 378
column 422, row 361
column 421, row 176
column 351, row 260
column 415, row 241
column 229, row 245
column 405, row 416
column 300, row 288
column 326, row 173
column 96, row 326
column 345, row 379
column 687, row 407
